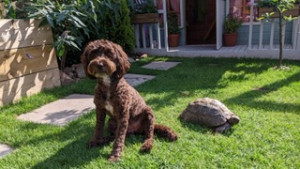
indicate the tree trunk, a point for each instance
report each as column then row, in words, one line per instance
column 280, row 39
column 63, row 61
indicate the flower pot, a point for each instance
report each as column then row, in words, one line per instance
column 294, row 11
column 173, row 40
column 230, row 39
column 145, row 18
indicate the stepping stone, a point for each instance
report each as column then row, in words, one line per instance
column 62, row 111
column 161, row 65
column 137, row 79
column 4, row 150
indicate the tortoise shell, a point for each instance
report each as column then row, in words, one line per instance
column 208, row 112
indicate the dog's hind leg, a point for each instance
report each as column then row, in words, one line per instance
column 149, row 130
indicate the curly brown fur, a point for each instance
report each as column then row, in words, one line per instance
column 129, row 114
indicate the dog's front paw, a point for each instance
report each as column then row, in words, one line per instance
column 113, row 158
column 99, row 142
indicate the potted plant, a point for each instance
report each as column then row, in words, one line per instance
column 173, row 30
column 231, row 25
column 143, row 12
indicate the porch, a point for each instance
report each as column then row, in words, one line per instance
column 258, row 39
column 239, row 51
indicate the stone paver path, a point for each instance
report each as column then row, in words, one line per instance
column 62, row 111
column 161, row 65
column 137, row 79
column 4, row 150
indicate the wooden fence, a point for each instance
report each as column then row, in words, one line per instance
column 27, row 60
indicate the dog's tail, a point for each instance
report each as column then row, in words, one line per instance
column 165, row 131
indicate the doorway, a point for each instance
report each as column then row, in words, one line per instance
column 200, row 22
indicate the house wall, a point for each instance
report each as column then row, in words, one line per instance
column 243, row 33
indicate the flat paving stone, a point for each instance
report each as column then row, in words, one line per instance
column 62, row 111
column 5, row 150
column 137, row 79
column 161, row 65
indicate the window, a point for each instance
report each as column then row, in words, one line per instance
column 241, row 9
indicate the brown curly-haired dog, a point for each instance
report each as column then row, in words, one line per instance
column 129, row 114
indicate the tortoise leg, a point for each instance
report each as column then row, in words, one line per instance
column 223, row 128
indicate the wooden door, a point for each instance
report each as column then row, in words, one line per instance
column 200, row 21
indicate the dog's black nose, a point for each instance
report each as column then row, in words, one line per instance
column 100, row 65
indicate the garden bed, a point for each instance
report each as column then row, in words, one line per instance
column 27, row 59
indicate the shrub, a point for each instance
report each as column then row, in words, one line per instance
column 117, row 28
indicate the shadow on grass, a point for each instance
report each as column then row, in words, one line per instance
column 247, row 98
column 200, row 76
column 76, row 154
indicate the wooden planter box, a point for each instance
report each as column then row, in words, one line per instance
column 28, row 62
column 145, row 18
column 294, row 11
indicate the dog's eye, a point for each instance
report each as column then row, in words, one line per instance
column 91, row 57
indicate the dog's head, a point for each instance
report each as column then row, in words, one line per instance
column 102, row 58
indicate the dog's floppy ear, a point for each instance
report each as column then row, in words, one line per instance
column 85, row 58
column 122, row 59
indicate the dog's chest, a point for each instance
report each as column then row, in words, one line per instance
column 109, row 108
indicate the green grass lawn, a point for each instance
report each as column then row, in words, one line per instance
column 266, row 100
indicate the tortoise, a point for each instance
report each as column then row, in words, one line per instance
column 211, row 113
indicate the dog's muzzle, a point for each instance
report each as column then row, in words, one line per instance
column 101, row 66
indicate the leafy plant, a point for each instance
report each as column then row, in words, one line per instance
column 74, row 23
column 8, row 9
column 173, row 27
column 64, row 19
column 273, row 3
column 280, row 6
column 232, row 24
column 140, row 7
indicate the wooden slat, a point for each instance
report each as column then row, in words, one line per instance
column 12, row 90
column 158, row 36
column 23, row 33
column 272, row 33
column 283, row 31
column 261, row 34
column 144, row 35
column 151, row 36
column 137, row 35
column 250, row 26
column 165, row 25
column 19, row 62
column 294, row 34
